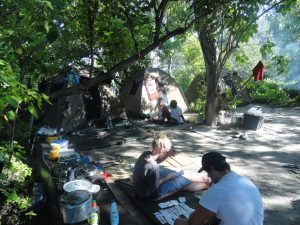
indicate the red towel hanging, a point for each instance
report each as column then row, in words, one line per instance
column 258, row 71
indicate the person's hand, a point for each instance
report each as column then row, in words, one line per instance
column 207, row 180
column 181, row 221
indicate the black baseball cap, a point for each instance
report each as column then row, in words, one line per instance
column 212, row 159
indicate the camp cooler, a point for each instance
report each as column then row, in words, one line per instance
column 58, row 147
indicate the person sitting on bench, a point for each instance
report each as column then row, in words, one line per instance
column 154, row 183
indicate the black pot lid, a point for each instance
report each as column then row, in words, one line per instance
column 75, row 197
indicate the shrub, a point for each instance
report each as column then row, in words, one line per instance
column 272, row 93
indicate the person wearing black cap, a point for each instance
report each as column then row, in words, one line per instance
column 231, row 200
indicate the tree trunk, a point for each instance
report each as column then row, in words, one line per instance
column 213, row 102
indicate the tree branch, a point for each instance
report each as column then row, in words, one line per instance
column 159, row 15
column 105, row 76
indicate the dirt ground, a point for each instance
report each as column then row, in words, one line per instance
column 263, row 156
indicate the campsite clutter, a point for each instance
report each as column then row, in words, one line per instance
column 73, row 175
column 113, row 158
column 72, row 112
column 251, row 120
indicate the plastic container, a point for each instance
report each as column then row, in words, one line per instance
column 54, row 153
column 52, row 138
column 66, row 152
column 85, row 159
column 70, row 158
column 114, row 213
column 61, row 143
column 94, row 215
column 58, row 146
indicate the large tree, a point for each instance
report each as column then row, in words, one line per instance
column 129, row 32
column 221, row 26
column 39, row 37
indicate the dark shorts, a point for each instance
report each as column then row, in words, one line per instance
column 174, row 185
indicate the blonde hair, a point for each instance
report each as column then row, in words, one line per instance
column 162, row 141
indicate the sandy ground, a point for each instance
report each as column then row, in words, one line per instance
column 261, row 157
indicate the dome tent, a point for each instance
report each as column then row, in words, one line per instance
column 141, row 92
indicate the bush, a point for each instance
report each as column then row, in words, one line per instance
column 199, row 105
column 271, row 93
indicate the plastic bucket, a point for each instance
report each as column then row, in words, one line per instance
column 52, row 138
column 60, row 142
column 54, row 154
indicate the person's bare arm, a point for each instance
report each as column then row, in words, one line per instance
column 199, row 217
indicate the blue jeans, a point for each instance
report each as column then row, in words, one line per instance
column 176, row 184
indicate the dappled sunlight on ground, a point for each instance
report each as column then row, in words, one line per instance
column 261, row 156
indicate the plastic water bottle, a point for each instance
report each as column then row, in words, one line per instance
column 94, row 215
column 114, row 214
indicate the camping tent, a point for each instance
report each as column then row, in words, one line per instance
column 228, row 81
column 141, row 91
column 75, row 111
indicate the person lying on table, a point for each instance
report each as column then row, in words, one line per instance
column 154, row 183
column 231, row 200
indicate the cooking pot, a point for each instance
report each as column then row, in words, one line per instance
column 85, row 170
column 81, row 185
column 75, row 206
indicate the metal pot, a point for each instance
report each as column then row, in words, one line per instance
column 75, row 206
column 81, row 185
column 86, row 170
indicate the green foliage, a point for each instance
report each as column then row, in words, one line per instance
column 14, row 185
column 182, row 58
column 230, row 101
column 281, row 63
column 267, row 48
column 14, row 97
column 271, row 92
column 199, row 105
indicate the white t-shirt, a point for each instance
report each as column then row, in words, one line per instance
column 176, row 113
column 235, row 200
